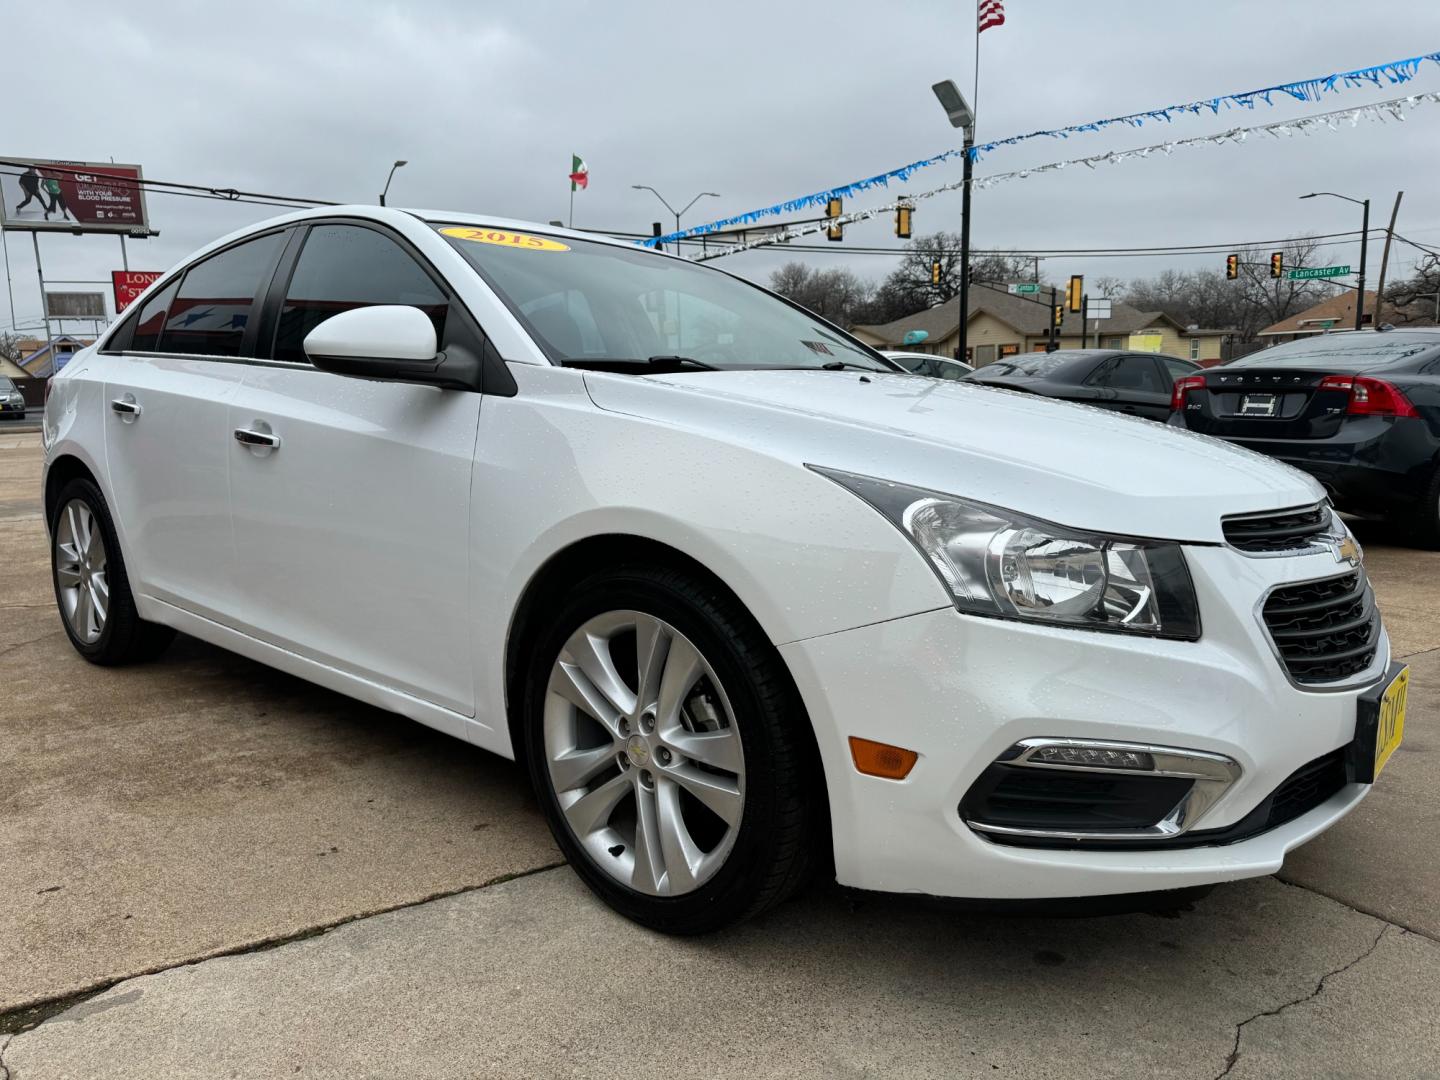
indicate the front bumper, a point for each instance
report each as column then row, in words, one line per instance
column 960, row 690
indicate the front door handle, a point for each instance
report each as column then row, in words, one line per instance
column 257, row 438
column 126, row 406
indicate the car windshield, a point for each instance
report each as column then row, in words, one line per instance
column 1038, row 364
column 6, row 386
column 587, row 301
column 1347, row 351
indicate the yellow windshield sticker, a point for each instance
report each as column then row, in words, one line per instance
column 501, row 238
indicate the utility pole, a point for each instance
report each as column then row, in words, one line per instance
column 1084, row 321
column 1050, row 335
column 1385, row 259
column 1364, row 244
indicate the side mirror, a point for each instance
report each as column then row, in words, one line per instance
column 387, row 341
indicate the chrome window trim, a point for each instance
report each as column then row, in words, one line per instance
column 1214, row 776
column 211, row 359
column 1337, row 530
column 1360, row 680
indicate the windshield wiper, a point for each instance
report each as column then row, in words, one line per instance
column 625, row 364
column 841, row 365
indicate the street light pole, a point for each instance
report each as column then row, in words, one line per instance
column 1364, row 204
column 683, row 209
column 962, row 351
column 386, row 190
column 958, row 110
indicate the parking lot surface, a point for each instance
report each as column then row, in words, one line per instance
column 261, row 877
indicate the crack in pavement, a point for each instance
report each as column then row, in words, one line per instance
column 30, row 1015
column 21, row 644
column 1234, row 1057
column 1358, row 910
column 4, row 1069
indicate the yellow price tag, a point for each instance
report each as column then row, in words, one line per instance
column 502, row 238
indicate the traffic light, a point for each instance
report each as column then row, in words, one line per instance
column 1232, row 267
column 1277, row 264
column 935, row 272
column 1075, row 293
column 1057, row 318
column 833, row 210
column 902, row 220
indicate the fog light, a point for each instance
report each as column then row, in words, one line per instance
column 882, row 759
column 1090, row 757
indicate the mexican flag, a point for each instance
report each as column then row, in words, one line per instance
column 579, row 172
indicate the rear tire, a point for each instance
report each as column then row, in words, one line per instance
column 716, row 714
column 92, row 589
column 1425, row 524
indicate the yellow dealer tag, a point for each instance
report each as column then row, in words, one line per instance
column 506, row 239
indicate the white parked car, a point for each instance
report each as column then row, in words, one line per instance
column 937, row 367
column 741, row 595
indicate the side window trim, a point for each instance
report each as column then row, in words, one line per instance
column 1101, row 371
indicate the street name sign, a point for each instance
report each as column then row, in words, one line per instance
column 1306, row 273
column 1025, row 288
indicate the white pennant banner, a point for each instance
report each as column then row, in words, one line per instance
column 1392, row 109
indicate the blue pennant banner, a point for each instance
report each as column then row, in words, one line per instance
column 1397, row 71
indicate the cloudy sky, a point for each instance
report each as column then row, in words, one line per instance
column 759, row 101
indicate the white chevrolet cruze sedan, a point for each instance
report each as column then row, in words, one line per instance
column 746, row 599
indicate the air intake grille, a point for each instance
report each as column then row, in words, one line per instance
column 1324, row 630
column 1284, row 530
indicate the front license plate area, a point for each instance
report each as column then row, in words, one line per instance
column 1380, row 725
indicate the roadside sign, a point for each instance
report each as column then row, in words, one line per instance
column 129, row 284
column 1025, row 288
column 1098, row 307
column 1143, row 342
column 75, row 305
column 1307, row 273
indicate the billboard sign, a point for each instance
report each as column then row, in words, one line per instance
column 129, row 284
column 71, row 196
column 75, row 305
column 1146, row 342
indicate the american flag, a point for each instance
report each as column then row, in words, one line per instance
column 992, row 13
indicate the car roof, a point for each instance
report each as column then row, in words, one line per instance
column 918, row 355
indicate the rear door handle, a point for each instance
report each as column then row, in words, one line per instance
column 257, row 438
column 126, row 406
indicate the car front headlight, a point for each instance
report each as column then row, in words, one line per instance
column 1008, row 565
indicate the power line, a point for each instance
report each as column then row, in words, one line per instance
column 174, row 187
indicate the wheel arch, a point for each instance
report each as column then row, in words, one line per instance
column 582, row 558
column 61, row 471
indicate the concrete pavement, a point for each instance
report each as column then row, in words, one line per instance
column 204, row 805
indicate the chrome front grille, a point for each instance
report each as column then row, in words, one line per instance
column 1282, row 530
column 1326, row 630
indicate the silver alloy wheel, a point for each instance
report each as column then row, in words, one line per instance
column 81, row 571
column 643, row 753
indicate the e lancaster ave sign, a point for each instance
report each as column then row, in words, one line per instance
column 1307, row 273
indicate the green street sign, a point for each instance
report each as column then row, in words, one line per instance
column 1025, row 288
column 1306, row 273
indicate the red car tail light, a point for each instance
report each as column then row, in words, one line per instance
column 1183, row 386
column 1370, row 397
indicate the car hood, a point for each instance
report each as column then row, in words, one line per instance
column 1066, row 463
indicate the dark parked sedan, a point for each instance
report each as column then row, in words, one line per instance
column 1136, row 383
column 1359, row 411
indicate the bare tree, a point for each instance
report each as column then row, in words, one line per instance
column 1416, row 300
column 837, row 294
column 9, row 346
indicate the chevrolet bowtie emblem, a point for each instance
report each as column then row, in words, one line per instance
column 1348, row 551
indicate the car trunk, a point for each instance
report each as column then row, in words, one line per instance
column 1260, row 404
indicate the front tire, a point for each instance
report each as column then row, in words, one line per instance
column 92, row 589
column 670, row 752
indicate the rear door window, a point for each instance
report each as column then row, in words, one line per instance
column 1132, row 373
column 150, row 321
column 217, row 299
column 348, row 266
